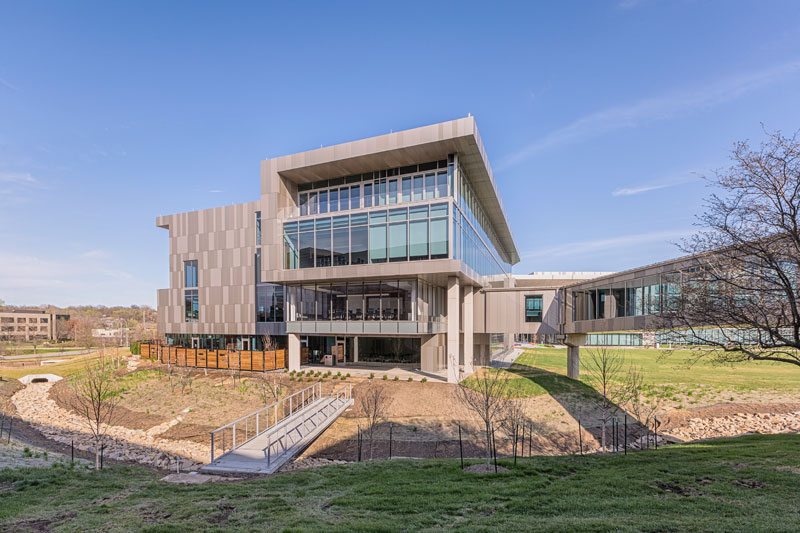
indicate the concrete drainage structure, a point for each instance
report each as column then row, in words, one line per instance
column 39, row 378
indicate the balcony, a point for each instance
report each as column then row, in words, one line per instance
column 367, row 327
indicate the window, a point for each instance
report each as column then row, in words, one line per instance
column 191, row 305
column 269, row 302
column 190, row 273
column 258, row 228
column 533, row 309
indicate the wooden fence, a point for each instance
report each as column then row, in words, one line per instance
column 249, row 360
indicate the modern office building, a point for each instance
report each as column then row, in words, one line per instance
column 25, row 325
column 382, row 250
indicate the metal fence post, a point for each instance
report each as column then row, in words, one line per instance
column 212, row 446
column 234, row 436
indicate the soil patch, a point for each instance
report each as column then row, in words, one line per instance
column 191, row 432
column 63, row 395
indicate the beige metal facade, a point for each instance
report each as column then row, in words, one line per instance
column 481, row 314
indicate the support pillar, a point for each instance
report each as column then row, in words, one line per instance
column 355, row 349
column 294, row 351
column 453, row 329
column 469, row 331
column 574, row 342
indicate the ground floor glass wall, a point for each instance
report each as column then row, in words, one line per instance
column 401, row 350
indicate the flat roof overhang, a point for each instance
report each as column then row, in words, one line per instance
column 417, row 145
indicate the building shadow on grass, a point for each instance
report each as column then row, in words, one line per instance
column 582, row 402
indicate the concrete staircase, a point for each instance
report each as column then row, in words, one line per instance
column 292, row 424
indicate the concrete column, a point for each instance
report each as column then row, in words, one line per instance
column 574, row 342
column 453, row 354
column 294, row 351
column 469, row 329
column 355, row 349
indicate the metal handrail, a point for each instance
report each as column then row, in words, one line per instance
column 346, row 394
column 306, row 395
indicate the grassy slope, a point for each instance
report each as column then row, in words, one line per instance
column 541, row 370
column 748, row 483
column 71, row 365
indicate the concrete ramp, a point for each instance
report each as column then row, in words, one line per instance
column 307, row 414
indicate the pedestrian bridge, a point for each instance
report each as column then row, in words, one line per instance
column 266, row 439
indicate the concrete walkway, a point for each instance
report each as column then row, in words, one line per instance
column 507, row 359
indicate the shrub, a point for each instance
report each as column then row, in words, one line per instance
column 136, row 348
column 423, row 380
column 385, row 377
column 347, row 375
column 371, row 375
column 396, row 378
column 410, row 378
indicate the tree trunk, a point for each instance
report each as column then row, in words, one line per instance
column 97, row 454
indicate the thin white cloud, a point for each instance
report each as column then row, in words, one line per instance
column 641, row 188
column 655, row 108
column 9, row 85
column 583, row 248
column 215, row 191
column 95, row 254
column 19, row 178
column 16, row 186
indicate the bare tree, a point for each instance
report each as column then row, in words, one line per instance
column 644, row 409
column 95, row 399
column 513, row 418
column 185, row 378
column 606, row 371
column 485, row 394
column 268, row 387
column 739, row 291
column 373, row 403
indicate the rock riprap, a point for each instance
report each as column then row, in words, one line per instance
column 34, row 405
column 737, row 424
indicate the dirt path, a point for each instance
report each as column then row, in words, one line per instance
column 34, row 405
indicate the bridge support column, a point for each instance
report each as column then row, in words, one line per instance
column 453, row 329
column 294, row 351
column 469, row 332
column 574, row 342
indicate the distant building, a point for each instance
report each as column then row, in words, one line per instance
column 24, row 325
column 116, row 335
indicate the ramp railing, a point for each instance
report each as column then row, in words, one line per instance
column 234, row 434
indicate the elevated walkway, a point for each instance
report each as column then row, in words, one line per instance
column 265, row 440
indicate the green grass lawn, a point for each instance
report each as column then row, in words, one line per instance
column 744, row 484
column 543, row 371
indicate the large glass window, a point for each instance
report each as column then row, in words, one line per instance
column 323, row 244
column 419, row 187
column 190, row 273
column 339, row 301
column 355, row 197
column 533, row 308
column 258, row 228
column 191, row 305
column 355, row 301
column 269, row 302
column 341, row 241
column 367, row 195
column 377, row 237
column 306, row 244
column 290, row 245
column 334, row 200
column 359, row 240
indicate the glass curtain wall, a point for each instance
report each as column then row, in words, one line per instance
column 400, row 299
column 426, row 181
column 473, row 235
column 638, row 297
column 379, row 236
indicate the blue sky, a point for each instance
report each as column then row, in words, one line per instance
column 599, row 117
